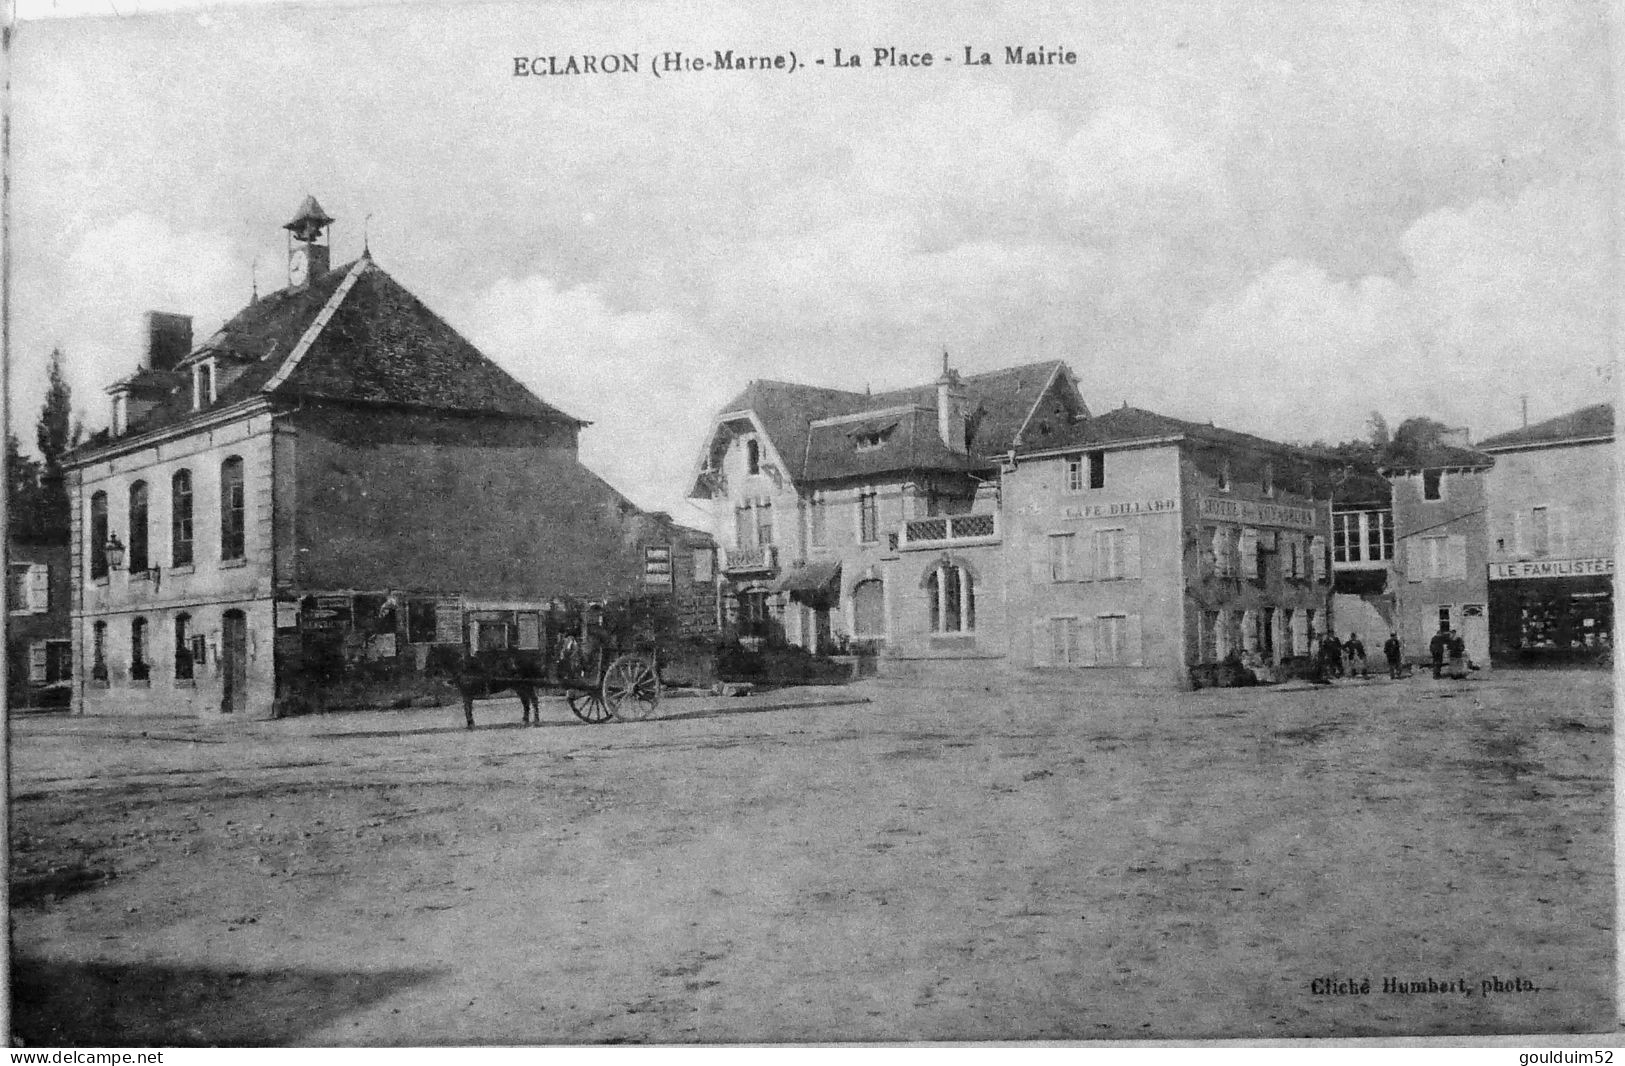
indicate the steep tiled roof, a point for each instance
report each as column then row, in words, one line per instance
column 1124, row 424
column 998, row 404
column 380, row 345
column 910, row 442
column 1588, row 423
column 1438, row 456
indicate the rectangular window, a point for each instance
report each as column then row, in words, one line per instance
column 705, row 564
column 1060, row 556
column 744, row 531
column 868, row 518
column 817, row 521
column 231, row 509
column 1540, row 532
column 764, row 523
column 180, row 520
column 58, row 661
column 1385, row 535
column 183, row 648
column 1433, row 484
column 422, row 621
column 38, row 662
column 1074, row 475
column 1097, row 470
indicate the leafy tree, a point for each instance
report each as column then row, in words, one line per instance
column 56, row 434
column 22, row 491
column 1414, row 438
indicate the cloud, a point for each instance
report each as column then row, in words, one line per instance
column 641, row 376
column 111, row 276
column 1501, row 298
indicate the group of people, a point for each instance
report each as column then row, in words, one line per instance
column 1449, row 653
column 1346, row 658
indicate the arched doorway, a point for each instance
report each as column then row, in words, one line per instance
column 233, row 662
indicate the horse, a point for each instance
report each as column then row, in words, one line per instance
column 489, row 672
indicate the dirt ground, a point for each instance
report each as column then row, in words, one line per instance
column 800, row 866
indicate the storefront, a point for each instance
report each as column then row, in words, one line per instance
column 1552, row 609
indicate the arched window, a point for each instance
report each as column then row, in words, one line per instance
column 139, row 668
column 180, row 518
column 951, row 599
column 138, row 527
column 98, row 535
column 183, row 647
column 231, row 509
column 753, row 456
column 869, row 608
column 98, row 652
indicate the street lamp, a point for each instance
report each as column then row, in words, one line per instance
column 114, row 552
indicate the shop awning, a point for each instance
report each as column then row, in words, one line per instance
column 808, row 577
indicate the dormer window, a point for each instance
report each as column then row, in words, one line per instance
column 203, row 384
column 753, row 456
column 869, row 440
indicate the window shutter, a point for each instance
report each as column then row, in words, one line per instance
column 39, row 588
column 1039, row 554
column 1133, row 640
column 1520, row 533
column 1317, row 557
column 1041, row 642
column 1455, row 556
column 1300, row 632
column 1083, row 641
column 1221, row 636
column 1249, row 553
column 1223, row 561
column 1060, row 634
column 36, row 662
column 1560, row 531
column 1060, row 552
column 1131, row 552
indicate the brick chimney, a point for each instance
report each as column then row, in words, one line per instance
column 169, row 340
column 951, row 398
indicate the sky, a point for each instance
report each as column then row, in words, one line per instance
column 1279, row 217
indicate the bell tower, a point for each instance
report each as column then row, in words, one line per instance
column 308, row 245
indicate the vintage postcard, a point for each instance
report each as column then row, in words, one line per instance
column 673, row 523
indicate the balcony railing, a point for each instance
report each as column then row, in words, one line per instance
column 760, row 559
column 922, row 533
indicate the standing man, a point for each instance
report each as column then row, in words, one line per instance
column 1331, row 655
column 1393, row 653
column 1436, row 648
column 1354, row 655
column 1458, row 656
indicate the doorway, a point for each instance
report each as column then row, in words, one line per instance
column 233, row 662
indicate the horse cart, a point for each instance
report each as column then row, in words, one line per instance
column 599, row 678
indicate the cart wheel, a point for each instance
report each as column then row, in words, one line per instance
column 588, row 705
column 631, row 688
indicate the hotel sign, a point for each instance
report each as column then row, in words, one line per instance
column 1551, row 568
column 1253, row 513
column 1122, row 508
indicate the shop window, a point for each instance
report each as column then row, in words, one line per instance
column 180, row 518
column 138, row 527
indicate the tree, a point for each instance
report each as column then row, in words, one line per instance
column 1415, row 438
column 22, row 491
column 55, row 434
